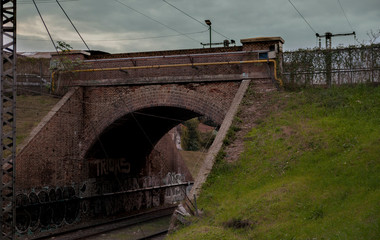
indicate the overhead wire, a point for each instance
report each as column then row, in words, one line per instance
column 184, row 13
column 51, row 38
column 116, row 40
column 202, row 23
column 345, row 15
column 303, row 17
column 155, row 20
column 67, row 16
column 47, row 30
column 44, row 1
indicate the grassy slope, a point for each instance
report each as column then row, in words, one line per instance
column 29, row 112
column 310, row 171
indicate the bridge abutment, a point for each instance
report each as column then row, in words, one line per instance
column 94, row 150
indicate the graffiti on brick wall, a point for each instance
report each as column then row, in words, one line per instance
column 103, row 167
column 46, row 208
column 177, row 193
column 53, row 208
column 123, row 195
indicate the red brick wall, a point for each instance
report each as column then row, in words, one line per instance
column 50, row 156
column 105, row 105
column 54, row 154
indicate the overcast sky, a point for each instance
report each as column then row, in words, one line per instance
column 149, row 25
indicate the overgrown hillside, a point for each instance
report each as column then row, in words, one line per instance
column 311, row 170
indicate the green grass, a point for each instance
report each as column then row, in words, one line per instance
column 309, row 171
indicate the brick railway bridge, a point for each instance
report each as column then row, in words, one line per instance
column 101, row 152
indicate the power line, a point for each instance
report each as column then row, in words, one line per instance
column 42, row 19
column 72, row 24
column 303, row 17
column 340, row 4
column 184, row 13
column 155, row 20
column 116, row 40
column 203, row 24
column 44, row 1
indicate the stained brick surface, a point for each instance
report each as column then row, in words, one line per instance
column 55, row 152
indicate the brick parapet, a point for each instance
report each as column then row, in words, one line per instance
column 98, row 67
column 168, row 52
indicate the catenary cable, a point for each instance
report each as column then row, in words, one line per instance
column 202, row 23
column 155, row 20
column 345, row 15
column 303, row 17
column 116, row 40
column 44, row 1
column 47, row 30
column 67, row 16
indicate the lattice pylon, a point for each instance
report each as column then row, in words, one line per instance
column 7, row 118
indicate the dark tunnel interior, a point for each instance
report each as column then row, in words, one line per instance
column 134, row 136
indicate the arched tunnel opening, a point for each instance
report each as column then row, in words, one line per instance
column 134, row 136
column 132, row 165
column 128, row 170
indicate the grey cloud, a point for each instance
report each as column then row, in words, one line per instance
column 109, row 20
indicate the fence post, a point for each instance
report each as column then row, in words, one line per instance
column 372, row 65
column 328, row 59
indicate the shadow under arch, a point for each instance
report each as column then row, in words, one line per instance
column 134, row 135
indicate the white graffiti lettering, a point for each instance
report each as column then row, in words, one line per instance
column 112, row 165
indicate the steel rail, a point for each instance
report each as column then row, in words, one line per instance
column 100, row 228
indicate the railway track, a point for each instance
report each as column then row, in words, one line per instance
column 92, row 231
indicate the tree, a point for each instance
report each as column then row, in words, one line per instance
column 190, row 135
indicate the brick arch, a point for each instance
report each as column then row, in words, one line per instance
column 106, row 105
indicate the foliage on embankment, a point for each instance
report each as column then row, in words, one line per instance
column 309, row 171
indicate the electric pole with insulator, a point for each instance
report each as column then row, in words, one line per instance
column 328, row 54
column 329, row 35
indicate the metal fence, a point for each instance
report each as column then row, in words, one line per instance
column 334, row 66
column 33, row 84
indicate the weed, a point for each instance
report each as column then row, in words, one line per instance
column 238, row 223
column 316, row 213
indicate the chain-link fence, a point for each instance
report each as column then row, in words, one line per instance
column 334, row 66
